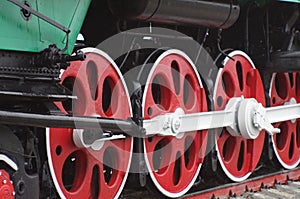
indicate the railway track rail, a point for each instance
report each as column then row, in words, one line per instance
column 289, row 190
column 283, row 184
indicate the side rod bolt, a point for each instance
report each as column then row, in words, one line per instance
column 167, row 124
column 177, row 124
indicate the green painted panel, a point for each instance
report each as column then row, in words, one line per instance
column 15, row 31
column 35, row 34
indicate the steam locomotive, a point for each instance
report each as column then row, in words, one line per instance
column 176, row 96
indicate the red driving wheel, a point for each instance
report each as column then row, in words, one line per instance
column 285, row 89
column 6, row 186
column 84, row 172
column 174, row 163
column 238, row 156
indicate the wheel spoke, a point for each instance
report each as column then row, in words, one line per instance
column 289, row 139
column 221, row 97
column 168, row 172
column 153, row 109
column 236, row 152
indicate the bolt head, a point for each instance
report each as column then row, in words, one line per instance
column 176, row 124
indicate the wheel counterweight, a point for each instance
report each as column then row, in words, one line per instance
column 84, row 172
column 174, row 162
column 285, row 89
column 238, row 156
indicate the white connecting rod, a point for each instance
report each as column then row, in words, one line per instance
column 283, row 113
column 241, row 117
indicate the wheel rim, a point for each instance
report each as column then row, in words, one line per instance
column 285, row 87
column 174, row 163
column 238, row 157
column 86, row 173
